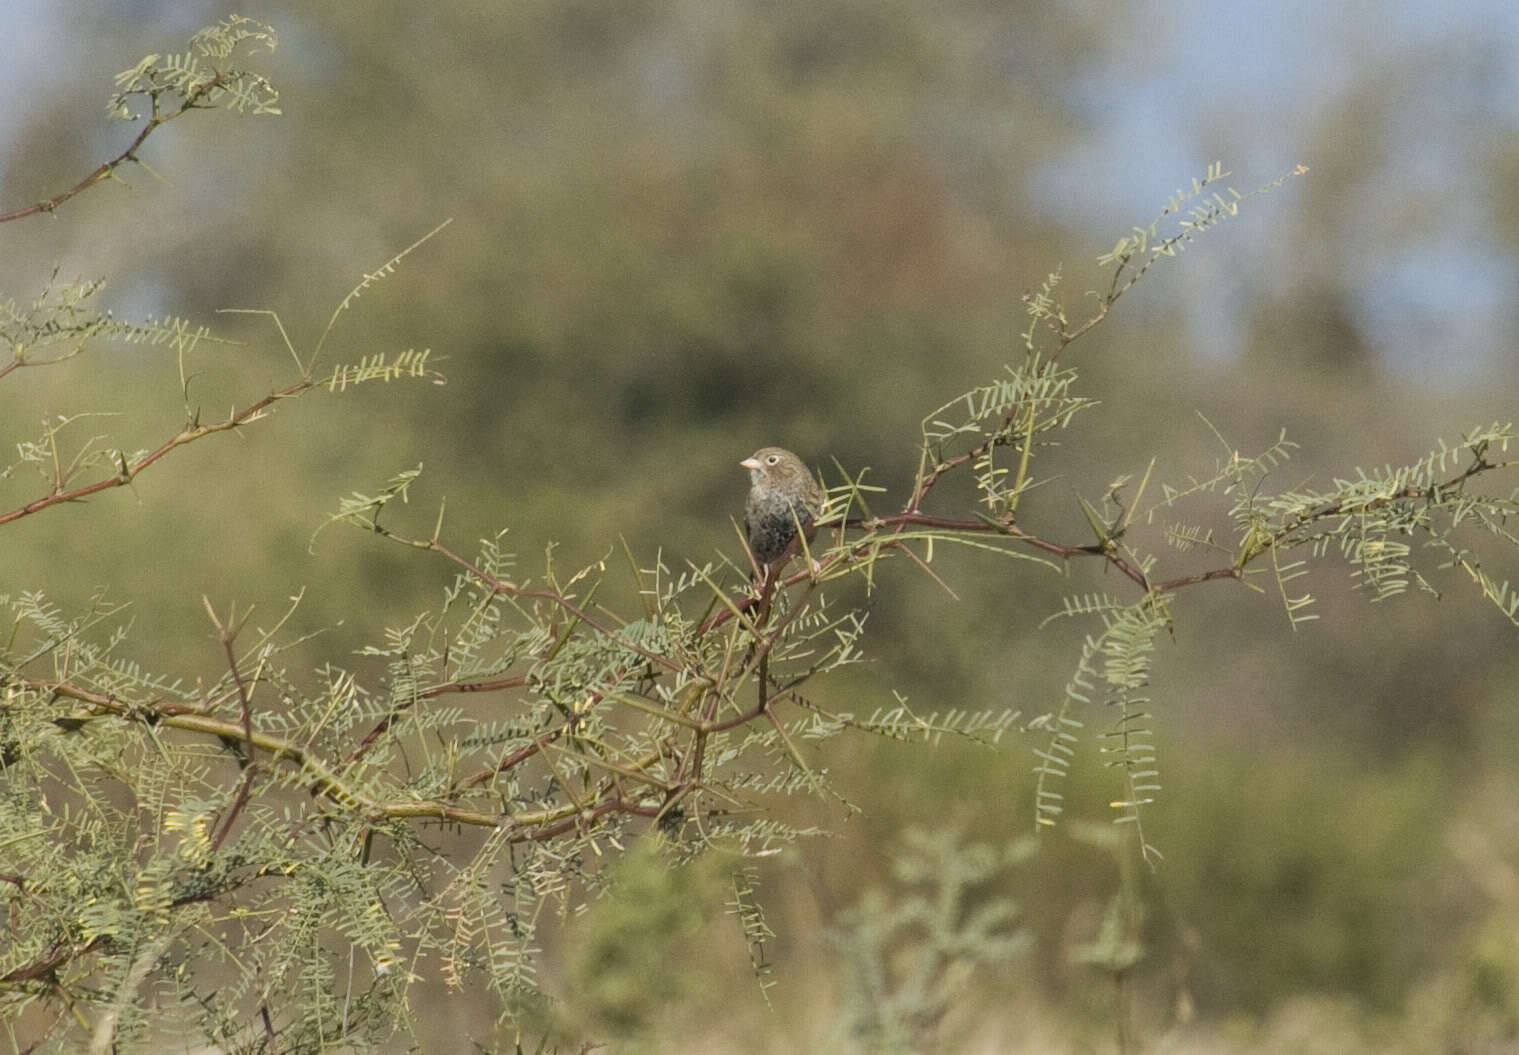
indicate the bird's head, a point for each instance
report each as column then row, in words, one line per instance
column 773, row 466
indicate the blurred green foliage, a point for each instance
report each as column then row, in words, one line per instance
column 634, row 954
column 1326, row 871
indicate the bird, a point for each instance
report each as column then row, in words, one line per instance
column 782, row 495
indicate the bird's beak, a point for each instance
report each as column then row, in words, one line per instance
column 750, row 463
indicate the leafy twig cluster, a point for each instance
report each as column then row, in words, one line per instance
column 173, row 85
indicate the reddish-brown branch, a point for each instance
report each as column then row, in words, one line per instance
column 899, row 522
column 517, row 757
column 126, row 473
column 516, row 681
column 55, row 958
column 104, row 171
column 1233, row 571
column 386, row 722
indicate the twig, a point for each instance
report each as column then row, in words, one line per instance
column 106, row 170
column 128, row 471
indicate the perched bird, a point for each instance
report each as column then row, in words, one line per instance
column 782, row 494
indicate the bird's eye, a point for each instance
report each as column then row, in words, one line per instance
column 772, row 459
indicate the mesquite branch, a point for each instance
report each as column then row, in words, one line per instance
column 193, row 100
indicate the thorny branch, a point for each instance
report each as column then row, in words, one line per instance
column 127, row 471
column 105, row 171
